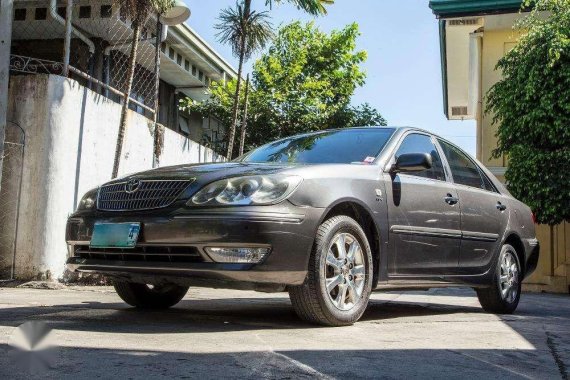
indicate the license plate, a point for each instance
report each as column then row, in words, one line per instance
column 115, row 235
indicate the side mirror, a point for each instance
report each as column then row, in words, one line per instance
column 412, row 162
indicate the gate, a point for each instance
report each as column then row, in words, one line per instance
column 10, row 191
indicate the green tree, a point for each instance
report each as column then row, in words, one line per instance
column 360, row 116
column 247, row 31
column 303, row 83
column 531, row 107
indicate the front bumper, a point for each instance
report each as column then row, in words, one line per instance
column 176, row 242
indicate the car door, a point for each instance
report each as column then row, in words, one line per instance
column 424, row 219
column 483, row 210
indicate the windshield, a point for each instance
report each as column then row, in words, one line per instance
column 342, row 146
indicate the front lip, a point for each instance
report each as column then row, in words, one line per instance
column 250, row 216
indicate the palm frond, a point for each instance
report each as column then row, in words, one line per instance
column 235, row 24
column 313, row 7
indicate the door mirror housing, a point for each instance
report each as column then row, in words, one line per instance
column 412, row 162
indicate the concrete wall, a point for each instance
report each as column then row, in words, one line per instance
column 70, row 144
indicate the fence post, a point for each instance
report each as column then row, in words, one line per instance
column 67, row 41
column 157, row 134
column 6, row 7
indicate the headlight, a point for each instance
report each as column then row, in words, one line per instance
column 88, row 200
column 254, row 190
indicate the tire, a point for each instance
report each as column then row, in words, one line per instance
column 144, row 296
column 503, row 296
column 311, row 300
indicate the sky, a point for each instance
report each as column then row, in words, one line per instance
column 403, row 66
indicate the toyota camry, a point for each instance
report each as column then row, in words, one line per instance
column 327, row 216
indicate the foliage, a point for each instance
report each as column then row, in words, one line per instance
column 313, row 7
column 362, row 115
column 303, row 83
column 246, row 31
column 531, row 106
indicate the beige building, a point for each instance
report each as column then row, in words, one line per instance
column 474, row 35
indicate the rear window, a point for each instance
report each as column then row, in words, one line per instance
column 330, row 147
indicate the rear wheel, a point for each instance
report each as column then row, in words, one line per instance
column 150, row 296
column 339, row 280
column 504, row 294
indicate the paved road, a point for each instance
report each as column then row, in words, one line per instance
column 222, row 334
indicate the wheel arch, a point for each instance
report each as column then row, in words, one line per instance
column 514, row 240
column 363, row 215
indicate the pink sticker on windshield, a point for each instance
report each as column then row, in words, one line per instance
column 369, row 159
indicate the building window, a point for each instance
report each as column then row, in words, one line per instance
column 186, row 65
column 41, row 13
column 85, row 11
column 179, row 60
column 106, row 11
column 193, row 70
column 61, row 12
column 200, row 75
column 20, row 14
column 171, row 53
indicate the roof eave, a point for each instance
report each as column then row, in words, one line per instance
column 461, row 8
column 443, row 57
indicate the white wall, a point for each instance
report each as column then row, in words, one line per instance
column 70, row 146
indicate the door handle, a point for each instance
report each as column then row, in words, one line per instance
column 450, row 199
column 500, row 206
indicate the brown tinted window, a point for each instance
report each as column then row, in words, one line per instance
column 464, row 170
column 417, row 143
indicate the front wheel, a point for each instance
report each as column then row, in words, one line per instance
column 150, row 296
column 339, row 281
column 503, row 296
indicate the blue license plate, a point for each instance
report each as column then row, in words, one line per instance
column 115, row 235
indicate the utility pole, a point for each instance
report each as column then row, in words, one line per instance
column 6, row 7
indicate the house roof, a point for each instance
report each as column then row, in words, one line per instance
column 444, row 9
column 459, row 8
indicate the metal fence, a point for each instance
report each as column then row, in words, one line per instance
column 10, row 191
column 94, row 47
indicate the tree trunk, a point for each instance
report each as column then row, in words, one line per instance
column 125, row 109
column 244, row 122
column 235, row 108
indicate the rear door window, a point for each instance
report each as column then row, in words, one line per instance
column 464, row 170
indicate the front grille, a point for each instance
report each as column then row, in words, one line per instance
column 163, row 254
column 140, row 194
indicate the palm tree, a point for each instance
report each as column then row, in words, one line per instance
column 247, row 31
column 138, row 11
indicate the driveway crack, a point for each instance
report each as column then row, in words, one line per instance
column 552, row 346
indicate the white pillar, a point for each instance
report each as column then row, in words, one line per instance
column 6, row 7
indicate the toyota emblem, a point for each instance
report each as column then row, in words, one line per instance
column 132, row 186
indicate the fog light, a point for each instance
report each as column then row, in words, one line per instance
column 237, row 255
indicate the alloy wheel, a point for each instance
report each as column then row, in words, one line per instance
column 345, row 271
column 509, row 277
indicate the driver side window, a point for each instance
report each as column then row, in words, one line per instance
column 418, row 143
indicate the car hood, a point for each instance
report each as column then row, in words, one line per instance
column 208, row 172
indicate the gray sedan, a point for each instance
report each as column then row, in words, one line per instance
column 328, row 216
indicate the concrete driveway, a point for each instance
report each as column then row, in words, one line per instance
column 223, row 334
